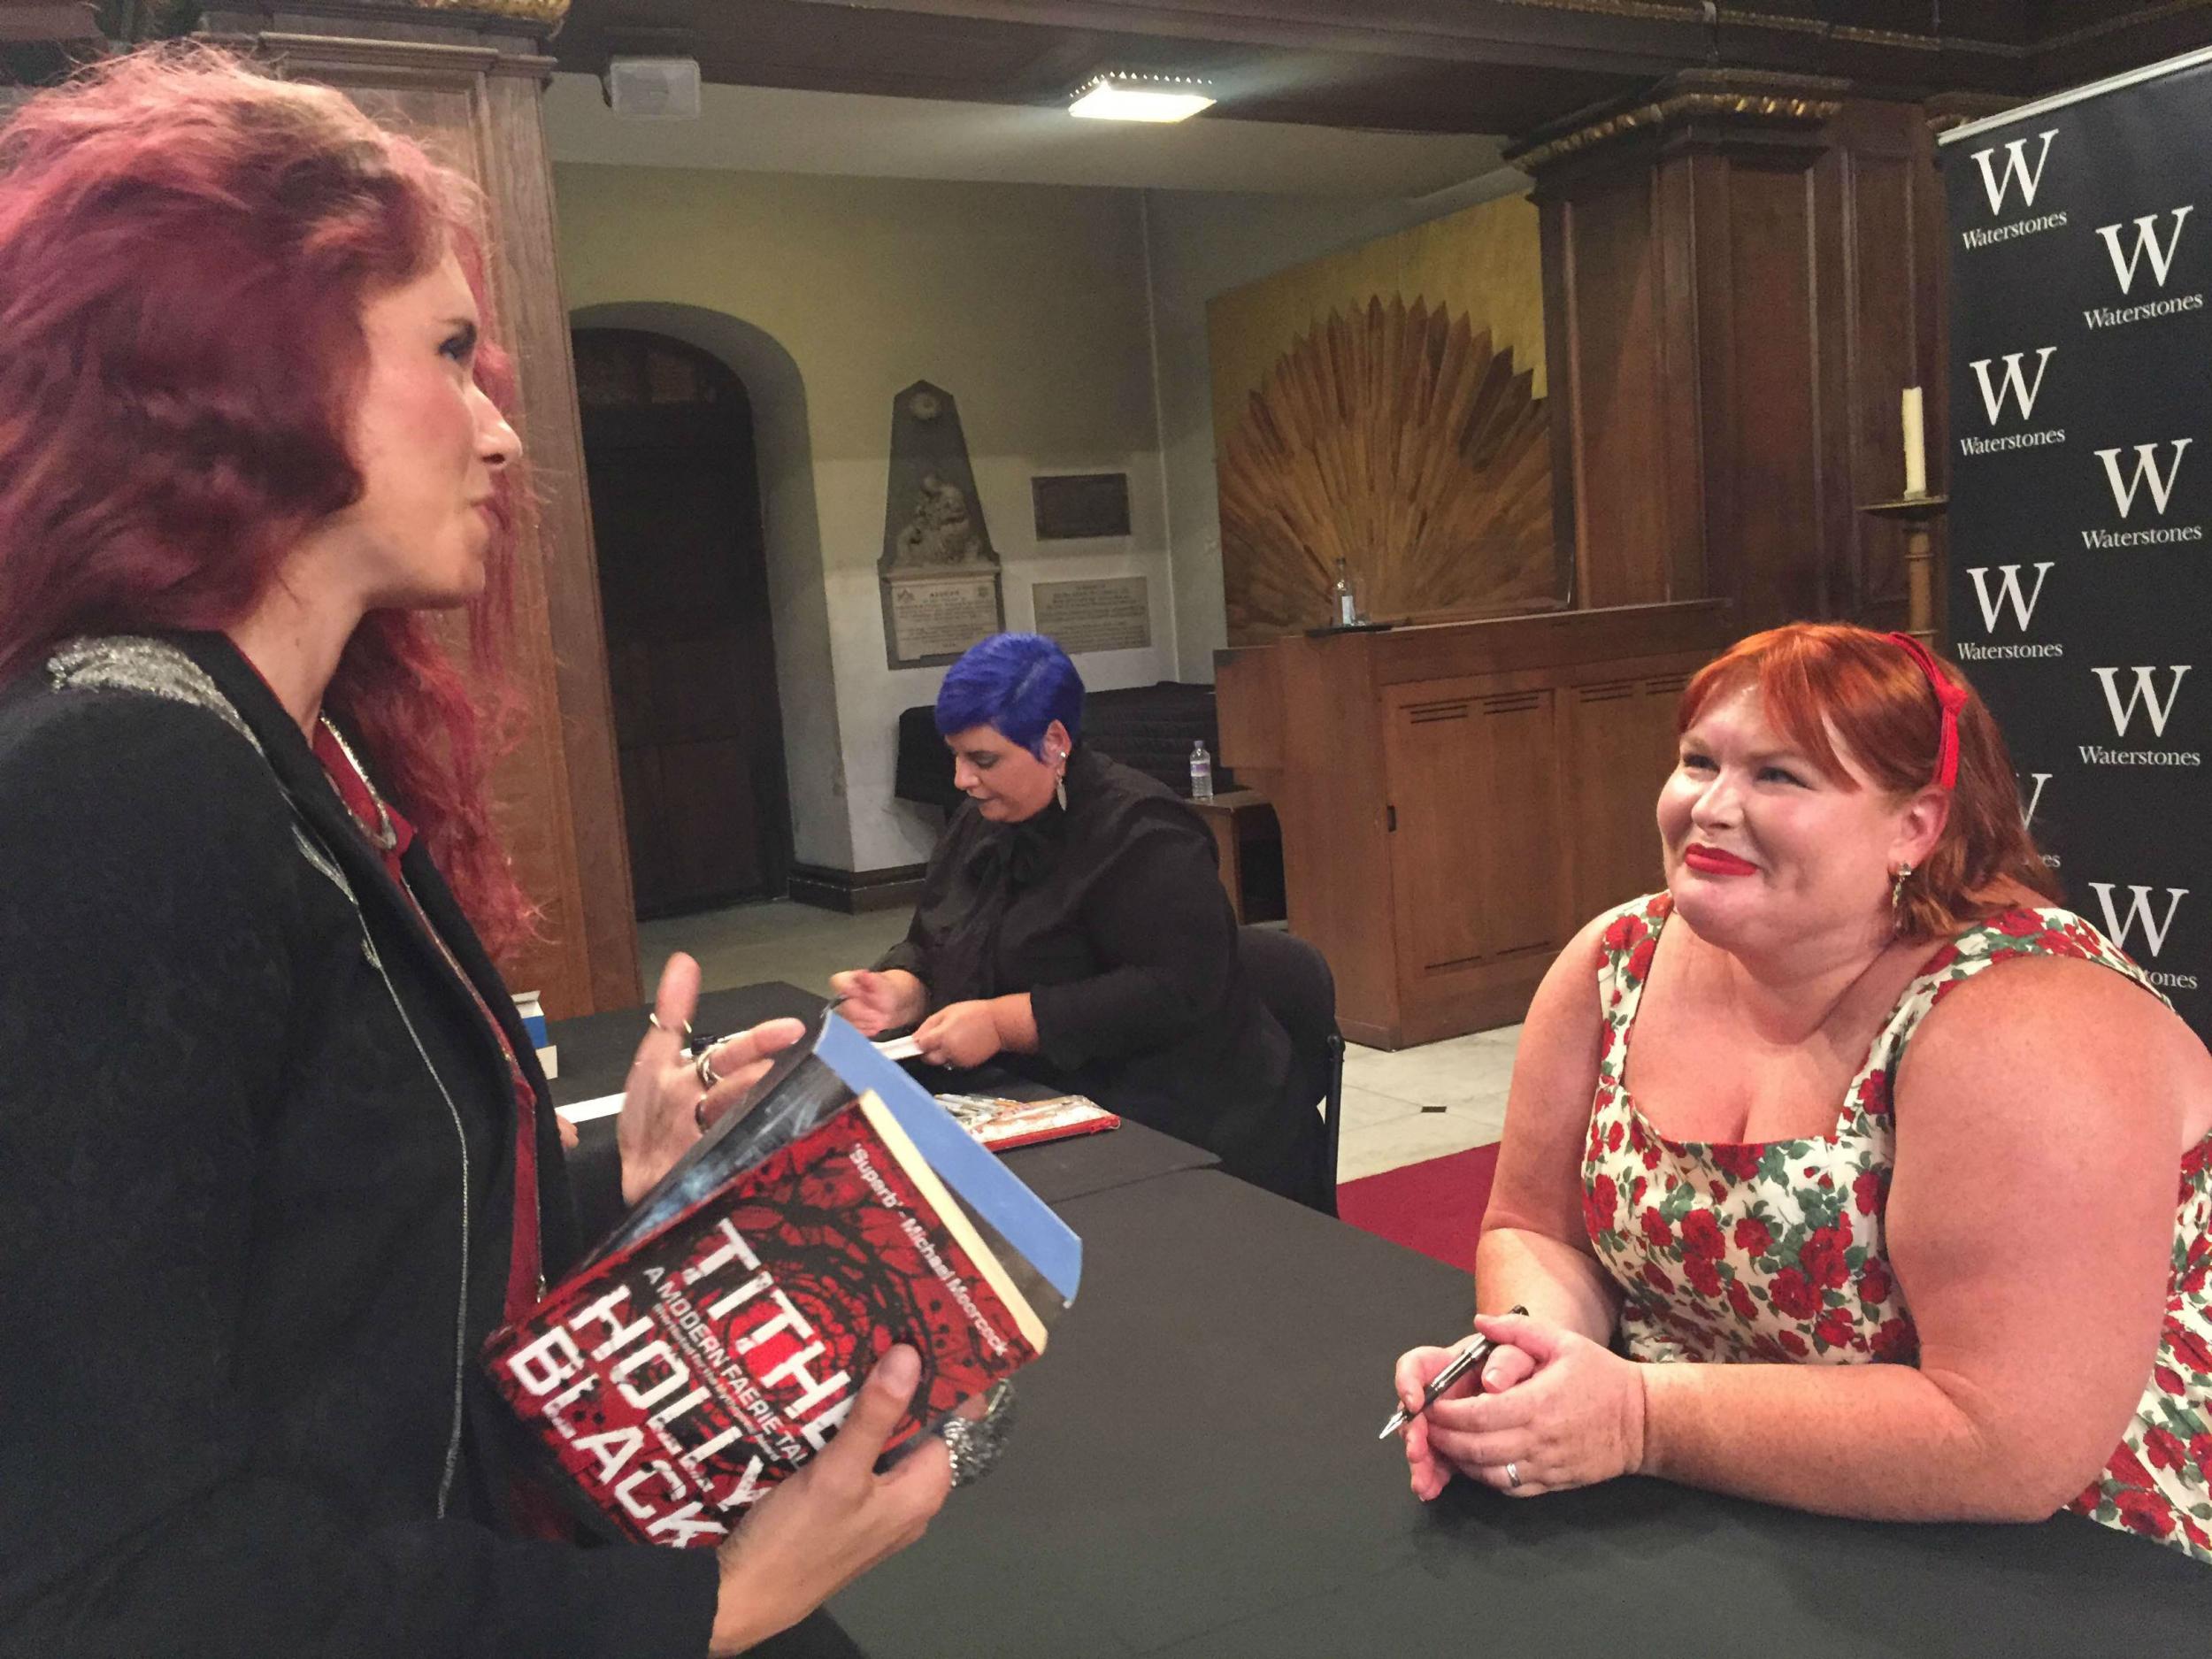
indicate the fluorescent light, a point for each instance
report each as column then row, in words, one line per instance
column 1121, row 98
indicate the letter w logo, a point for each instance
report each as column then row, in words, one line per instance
column 1998, row 184
column 2146, row 469
column 2138, row 910
column 2145, row 242
column 2007, row 593
column 2012, row 383
column 2145, row 694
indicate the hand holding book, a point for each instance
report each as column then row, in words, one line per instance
column 834, row 1519
column 718, row 1343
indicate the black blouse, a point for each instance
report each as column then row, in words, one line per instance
column 1110, row 914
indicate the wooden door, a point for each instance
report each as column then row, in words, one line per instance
column 1620, row 732
column 675, row 505
column 1476, row 854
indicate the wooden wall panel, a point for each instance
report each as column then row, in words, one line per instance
column 1739, row 293
column 1617, row 375
column 1765, row 458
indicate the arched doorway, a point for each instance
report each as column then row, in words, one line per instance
column 683, row 584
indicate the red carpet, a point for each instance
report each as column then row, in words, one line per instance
column 1435, row 1208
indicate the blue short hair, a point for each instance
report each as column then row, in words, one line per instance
column 1017, row 684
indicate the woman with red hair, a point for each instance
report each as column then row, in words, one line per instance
column 1854, row 1099
column 275, row 1157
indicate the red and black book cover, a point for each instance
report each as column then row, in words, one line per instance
column 678, row 1378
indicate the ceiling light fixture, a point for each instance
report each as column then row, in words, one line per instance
column 1120, row 97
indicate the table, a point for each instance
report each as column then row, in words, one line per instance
column 1195, row 1472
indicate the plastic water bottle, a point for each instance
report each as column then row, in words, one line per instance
column 1346, row 600
column 1202, row 773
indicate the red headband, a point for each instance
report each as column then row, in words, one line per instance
column 1951, row 696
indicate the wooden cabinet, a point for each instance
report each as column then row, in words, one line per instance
column 1457, row 800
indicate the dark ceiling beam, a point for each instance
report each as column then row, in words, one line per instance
column 1624, row 37
column 1889, row 46
column 2073, row 51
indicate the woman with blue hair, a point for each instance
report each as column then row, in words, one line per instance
column 1073, row 928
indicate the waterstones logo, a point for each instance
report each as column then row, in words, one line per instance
column 2013, row 385
column 2008, row 596
column 2160, row 255
column 2001, row 179
column 2142, row 695
column 2145, row 250
column 2142, row 912
column 2149, row 480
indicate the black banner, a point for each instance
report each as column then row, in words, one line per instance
column 2081, row 487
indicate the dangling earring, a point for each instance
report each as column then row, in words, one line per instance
column 1897, row 891
column 1060, row 781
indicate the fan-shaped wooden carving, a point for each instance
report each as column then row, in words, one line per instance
column 1395, row 439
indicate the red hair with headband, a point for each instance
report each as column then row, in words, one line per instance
column 1905, row 721
column 186, row 249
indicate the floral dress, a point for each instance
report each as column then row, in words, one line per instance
column 1774, row 1251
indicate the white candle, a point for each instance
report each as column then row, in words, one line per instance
column 1915, row 445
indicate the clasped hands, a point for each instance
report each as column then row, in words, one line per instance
column 1558, row 1409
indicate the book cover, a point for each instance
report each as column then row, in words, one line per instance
column 716, row 1341
column 1005, row 1125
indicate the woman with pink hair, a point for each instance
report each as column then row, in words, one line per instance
column 275, row 1155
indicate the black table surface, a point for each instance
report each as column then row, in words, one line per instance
column 595, row 1051
column 1195, row 1472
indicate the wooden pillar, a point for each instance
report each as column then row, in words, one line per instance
column 468, row 85
column 1741, row 272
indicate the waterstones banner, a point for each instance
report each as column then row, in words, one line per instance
column 2081, row 485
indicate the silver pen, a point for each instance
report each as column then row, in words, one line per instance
column 1463, row 1362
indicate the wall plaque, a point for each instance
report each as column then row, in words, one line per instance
column 1113, row 613
column 1080, row 504
column 934, row 617
column 938, row 572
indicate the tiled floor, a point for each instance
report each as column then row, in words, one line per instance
column 1399, row 1108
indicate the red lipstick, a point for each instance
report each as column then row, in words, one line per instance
column 1712, row 861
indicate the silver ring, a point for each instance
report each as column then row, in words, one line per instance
column 704, row 1066
column 654, row 1020
column 1512, row 1476
column 973, row 1445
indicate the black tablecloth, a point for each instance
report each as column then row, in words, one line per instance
column 1195, row 1472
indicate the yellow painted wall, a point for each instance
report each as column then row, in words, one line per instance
column 1483, row 262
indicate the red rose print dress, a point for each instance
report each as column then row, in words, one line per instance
column 1774, row 1250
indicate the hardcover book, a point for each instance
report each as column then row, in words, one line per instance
column 716, row 1340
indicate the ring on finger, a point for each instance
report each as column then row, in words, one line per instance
column 1512, row 1476
column 654, row 1020
column 704, row 1066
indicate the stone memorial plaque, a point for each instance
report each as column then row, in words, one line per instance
column 933, row 616
column 939, row 572
column 1111, row 613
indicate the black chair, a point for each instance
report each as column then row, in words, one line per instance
column 1293, row 982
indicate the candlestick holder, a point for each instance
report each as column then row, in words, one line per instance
column 1918, row 514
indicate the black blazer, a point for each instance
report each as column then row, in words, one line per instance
column 1110, row 914
column 256, row 1210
